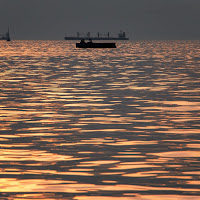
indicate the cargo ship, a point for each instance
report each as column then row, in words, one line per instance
column 5, row 36
column 121, row 36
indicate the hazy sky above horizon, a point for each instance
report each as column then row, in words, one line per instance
column 141, row 19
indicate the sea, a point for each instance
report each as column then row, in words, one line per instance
column 100, row 124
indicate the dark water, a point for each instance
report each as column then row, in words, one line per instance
column 105, row 124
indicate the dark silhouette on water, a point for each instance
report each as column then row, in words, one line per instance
column 91, row 44
column 121, row 36
column 5, row 36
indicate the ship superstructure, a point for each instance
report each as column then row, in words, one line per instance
column 121, row 36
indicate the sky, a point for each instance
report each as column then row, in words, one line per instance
column 140, row 19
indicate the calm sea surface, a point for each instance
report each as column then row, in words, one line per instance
column 100, row 124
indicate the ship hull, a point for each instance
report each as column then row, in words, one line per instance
column 94, row 38
column 5, row 39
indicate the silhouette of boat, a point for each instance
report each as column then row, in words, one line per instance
column 5, row 36
column 121, row 36
column 91, row 44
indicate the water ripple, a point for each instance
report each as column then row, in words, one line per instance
column 99, row 124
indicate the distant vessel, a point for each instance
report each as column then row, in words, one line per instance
column 121, row 36
column 91, row 44
column 5, row 36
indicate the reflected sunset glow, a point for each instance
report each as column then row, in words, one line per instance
column 84, row 124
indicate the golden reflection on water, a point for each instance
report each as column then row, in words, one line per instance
column 99, row 124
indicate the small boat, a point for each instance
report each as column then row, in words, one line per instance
column 91, row 44
column 5, row 36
